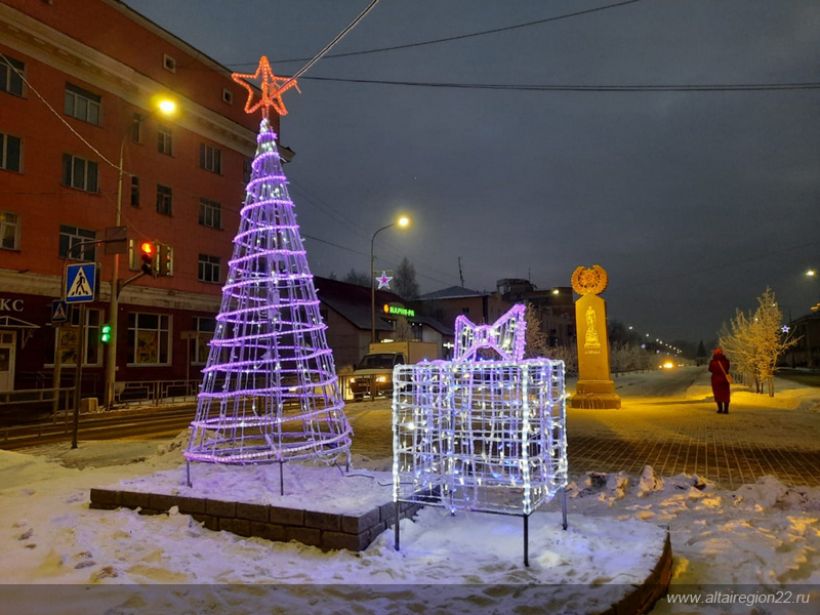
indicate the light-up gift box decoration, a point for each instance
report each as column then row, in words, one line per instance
column 481, row 434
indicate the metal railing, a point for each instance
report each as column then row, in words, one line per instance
column 43, row 397
column 155, row 391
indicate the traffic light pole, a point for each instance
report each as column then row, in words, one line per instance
column 114, row 304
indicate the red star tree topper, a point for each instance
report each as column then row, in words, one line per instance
column 271, row 86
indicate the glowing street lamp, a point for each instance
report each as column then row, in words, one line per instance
column 166, row 107
column 401, row 222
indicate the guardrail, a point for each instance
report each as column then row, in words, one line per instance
column 43, row 397
column 155, row 391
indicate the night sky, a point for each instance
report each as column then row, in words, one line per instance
column 694, row 202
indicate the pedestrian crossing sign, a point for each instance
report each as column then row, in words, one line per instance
column 59, row 311
column 80, row 281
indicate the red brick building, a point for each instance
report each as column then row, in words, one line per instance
column 100, row 66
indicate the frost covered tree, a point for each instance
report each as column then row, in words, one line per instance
column 405, row 282
column 536, row 338
column 754, row 341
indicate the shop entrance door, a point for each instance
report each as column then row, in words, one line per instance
column 7, row 347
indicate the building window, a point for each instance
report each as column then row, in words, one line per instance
column 208, row 268
column 169, row 63
column 80, row 173
column 135, row 191
column 70, row 239
column 136, row 128
column 164, row 200
column 9, row 152
column 70, row 335
column 210, row 214
column 149, row 339
column 227, row 96
column 205, row 327
column 210, row 158
column 10, row 80
column 82, row 104
column 247, row 169
column 9, row 231
column 165, row 142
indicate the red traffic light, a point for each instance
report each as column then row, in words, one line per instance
column 147, row 251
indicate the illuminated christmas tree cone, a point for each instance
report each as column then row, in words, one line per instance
column 270, row 391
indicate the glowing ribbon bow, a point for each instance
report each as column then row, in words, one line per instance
column 507, row 336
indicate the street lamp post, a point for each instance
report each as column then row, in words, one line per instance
column 403, row 222
column 166, row 107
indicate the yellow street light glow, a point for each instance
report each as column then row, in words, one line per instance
column 167, row 106
column 555, row 291
column 811, row 273
column 403, row 221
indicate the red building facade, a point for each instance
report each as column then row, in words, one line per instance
column 95, row 69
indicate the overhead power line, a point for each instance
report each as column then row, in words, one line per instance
column 568, row 87
column 458, row 37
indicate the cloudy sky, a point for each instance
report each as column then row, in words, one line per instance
column 694, row 201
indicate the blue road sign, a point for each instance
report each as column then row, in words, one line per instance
column 59, row 311
column 79, row 282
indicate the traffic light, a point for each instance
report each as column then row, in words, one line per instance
column 105, row 333
column 166, row 259
column 147, row 252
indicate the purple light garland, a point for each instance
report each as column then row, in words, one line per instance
column 269, row 391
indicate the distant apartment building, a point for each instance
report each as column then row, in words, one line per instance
column 555, row 306
column 97, row 67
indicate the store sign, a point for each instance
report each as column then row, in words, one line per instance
column 398, row 310
column 11, row 305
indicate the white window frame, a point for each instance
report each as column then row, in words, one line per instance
column 203, row 337
column 165, row 141
column 207, row 266
column 4, row 152
column 70, row 180
column 5, row 224
column 210, row 158
column 167, row 197
column 11, row 77
column 167, row 331
column 92, row 334
column 82, row 105
column 210, row 213
column 78, row 235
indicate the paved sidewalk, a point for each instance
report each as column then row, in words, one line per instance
column 674, row 429
column 777, row 436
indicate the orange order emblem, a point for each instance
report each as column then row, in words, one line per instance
column 271, row 86
column 589, row 281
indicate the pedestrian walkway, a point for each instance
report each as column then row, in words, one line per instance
column 760, row 436
column 668, row 421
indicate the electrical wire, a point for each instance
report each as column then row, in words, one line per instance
column 557, row 87
column 334, row 41
column 458, row 37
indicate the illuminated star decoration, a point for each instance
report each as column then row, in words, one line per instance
column 271, row 86
column 785, row 328
column 384, row 281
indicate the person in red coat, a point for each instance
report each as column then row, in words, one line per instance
column 719, row 366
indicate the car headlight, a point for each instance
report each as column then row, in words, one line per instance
column 381, row 378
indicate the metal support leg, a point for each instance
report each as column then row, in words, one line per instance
column 396, row 529
column 564, row 507
column 281, row 478
column 188, row 473
column 527, row 541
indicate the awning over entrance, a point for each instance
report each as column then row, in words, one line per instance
column 10, row 322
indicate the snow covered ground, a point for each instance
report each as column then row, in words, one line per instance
column 763, row 537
